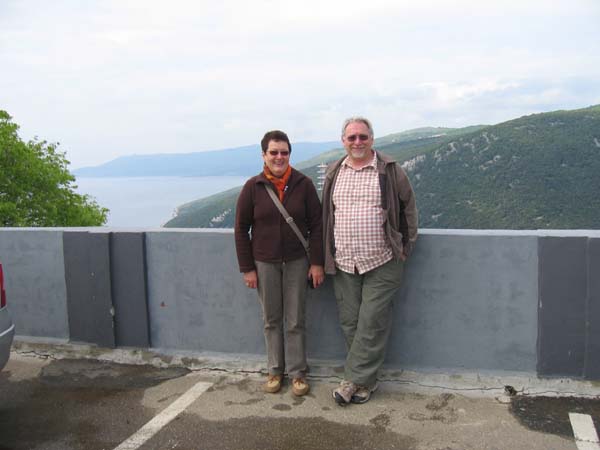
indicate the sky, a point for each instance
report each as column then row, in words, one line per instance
column 109, row 78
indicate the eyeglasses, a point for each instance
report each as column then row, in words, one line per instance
column 280, row 152
column 360, row 137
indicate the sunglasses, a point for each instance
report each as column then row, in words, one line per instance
column 360, row 137
column 280, row 152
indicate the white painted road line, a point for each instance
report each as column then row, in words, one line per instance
column 164, row 417
column 584, row 431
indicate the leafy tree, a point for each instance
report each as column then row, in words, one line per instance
column 36, row 187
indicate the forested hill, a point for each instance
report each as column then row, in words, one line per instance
column 537, row 172
column 534, row 172
column 218, row 211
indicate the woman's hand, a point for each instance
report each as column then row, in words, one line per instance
column 316, row 274
column 250, row 279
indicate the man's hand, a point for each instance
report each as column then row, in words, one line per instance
column 250, row 279
column 316, row 274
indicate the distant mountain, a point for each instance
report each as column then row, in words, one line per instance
column 536, row 172
column 235, row 161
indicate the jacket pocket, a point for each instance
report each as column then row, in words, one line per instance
column 395, row 239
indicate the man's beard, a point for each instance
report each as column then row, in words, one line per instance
column 359, row 153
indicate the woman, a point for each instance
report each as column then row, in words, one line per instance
column 274, row 261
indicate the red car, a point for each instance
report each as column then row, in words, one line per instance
column 7, row 329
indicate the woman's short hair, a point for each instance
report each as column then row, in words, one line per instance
column 274, row 135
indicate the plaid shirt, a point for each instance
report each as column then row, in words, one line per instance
column 360, row 242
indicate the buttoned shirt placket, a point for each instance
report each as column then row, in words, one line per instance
column 359, row 219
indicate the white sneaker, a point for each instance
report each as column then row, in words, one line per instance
column 344, row 392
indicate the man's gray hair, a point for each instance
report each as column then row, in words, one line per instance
column 358, row 119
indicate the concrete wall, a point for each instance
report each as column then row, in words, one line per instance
column 469, row 302
column 195, row 298
column 476, row 300
column 569, row 306
column 34, row 269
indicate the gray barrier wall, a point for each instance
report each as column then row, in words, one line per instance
column 476, row 300
column 469, row 302
column 34, row 268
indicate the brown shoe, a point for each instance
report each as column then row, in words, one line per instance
column 273, row 383
column 300, row 387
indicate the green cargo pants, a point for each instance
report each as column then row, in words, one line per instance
column 365, row 311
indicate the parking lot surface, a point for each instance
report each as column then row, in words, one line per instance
column 86, row 404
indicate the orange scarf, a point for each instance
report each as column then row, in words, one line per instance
column 279, row 183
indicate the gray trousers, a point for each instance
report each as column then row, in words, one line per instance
column 282, row 292
column 365, row 305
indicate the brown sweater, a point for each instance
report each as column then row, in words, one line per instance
column 261, row 232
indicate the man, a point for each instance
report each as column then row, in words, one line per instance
column 370, row 229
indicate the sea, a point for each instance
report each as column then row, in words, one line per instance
column 150, row 201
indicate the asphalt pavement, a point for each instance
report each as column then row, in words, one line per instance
column 73, row 403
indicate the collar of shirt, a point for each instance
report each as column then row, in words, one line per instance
column 372, row 164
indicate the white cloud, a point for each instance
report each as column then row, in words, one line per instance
column 120, row 77
column 452, row 93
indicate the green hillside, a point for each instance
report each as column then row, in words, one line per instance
column 535, row 172
column 218, row 211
